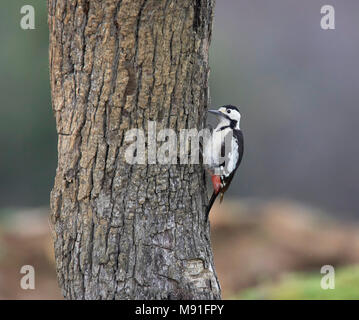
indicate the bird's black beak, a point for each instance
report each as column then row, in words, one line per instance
column 217, row 113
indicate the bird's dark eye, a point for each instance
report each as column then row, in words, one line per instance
column 228, row 110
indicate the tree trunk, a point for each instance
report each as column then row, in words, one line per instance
column 127, row 231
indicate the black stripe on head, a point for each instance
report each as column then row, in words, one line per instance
column 231, row 107
column 232, row 125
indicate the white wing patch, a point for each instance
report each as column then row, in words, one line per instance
column 232, row 158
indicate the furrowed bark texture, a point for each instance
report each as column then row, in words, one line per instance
column 129, row 231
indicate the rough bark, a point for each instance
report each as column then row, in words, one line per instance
column 129, row 231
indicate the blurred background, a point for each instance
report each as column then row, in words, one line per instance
column 292, row 207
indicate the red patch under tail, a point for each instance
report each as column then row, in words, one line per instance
column 216, row 181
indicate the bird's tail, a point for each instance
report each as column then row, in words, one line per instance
column 210, row 204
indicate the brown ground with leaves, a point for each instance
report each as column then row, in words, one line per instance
column 252, row 241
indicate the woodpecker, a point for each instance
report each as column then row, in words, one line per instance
column 223, row 151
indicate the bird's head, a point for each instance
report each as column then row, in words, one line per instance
column 228, row 116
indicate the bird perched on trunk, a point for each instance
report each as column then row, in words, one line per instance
column 223, row 152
